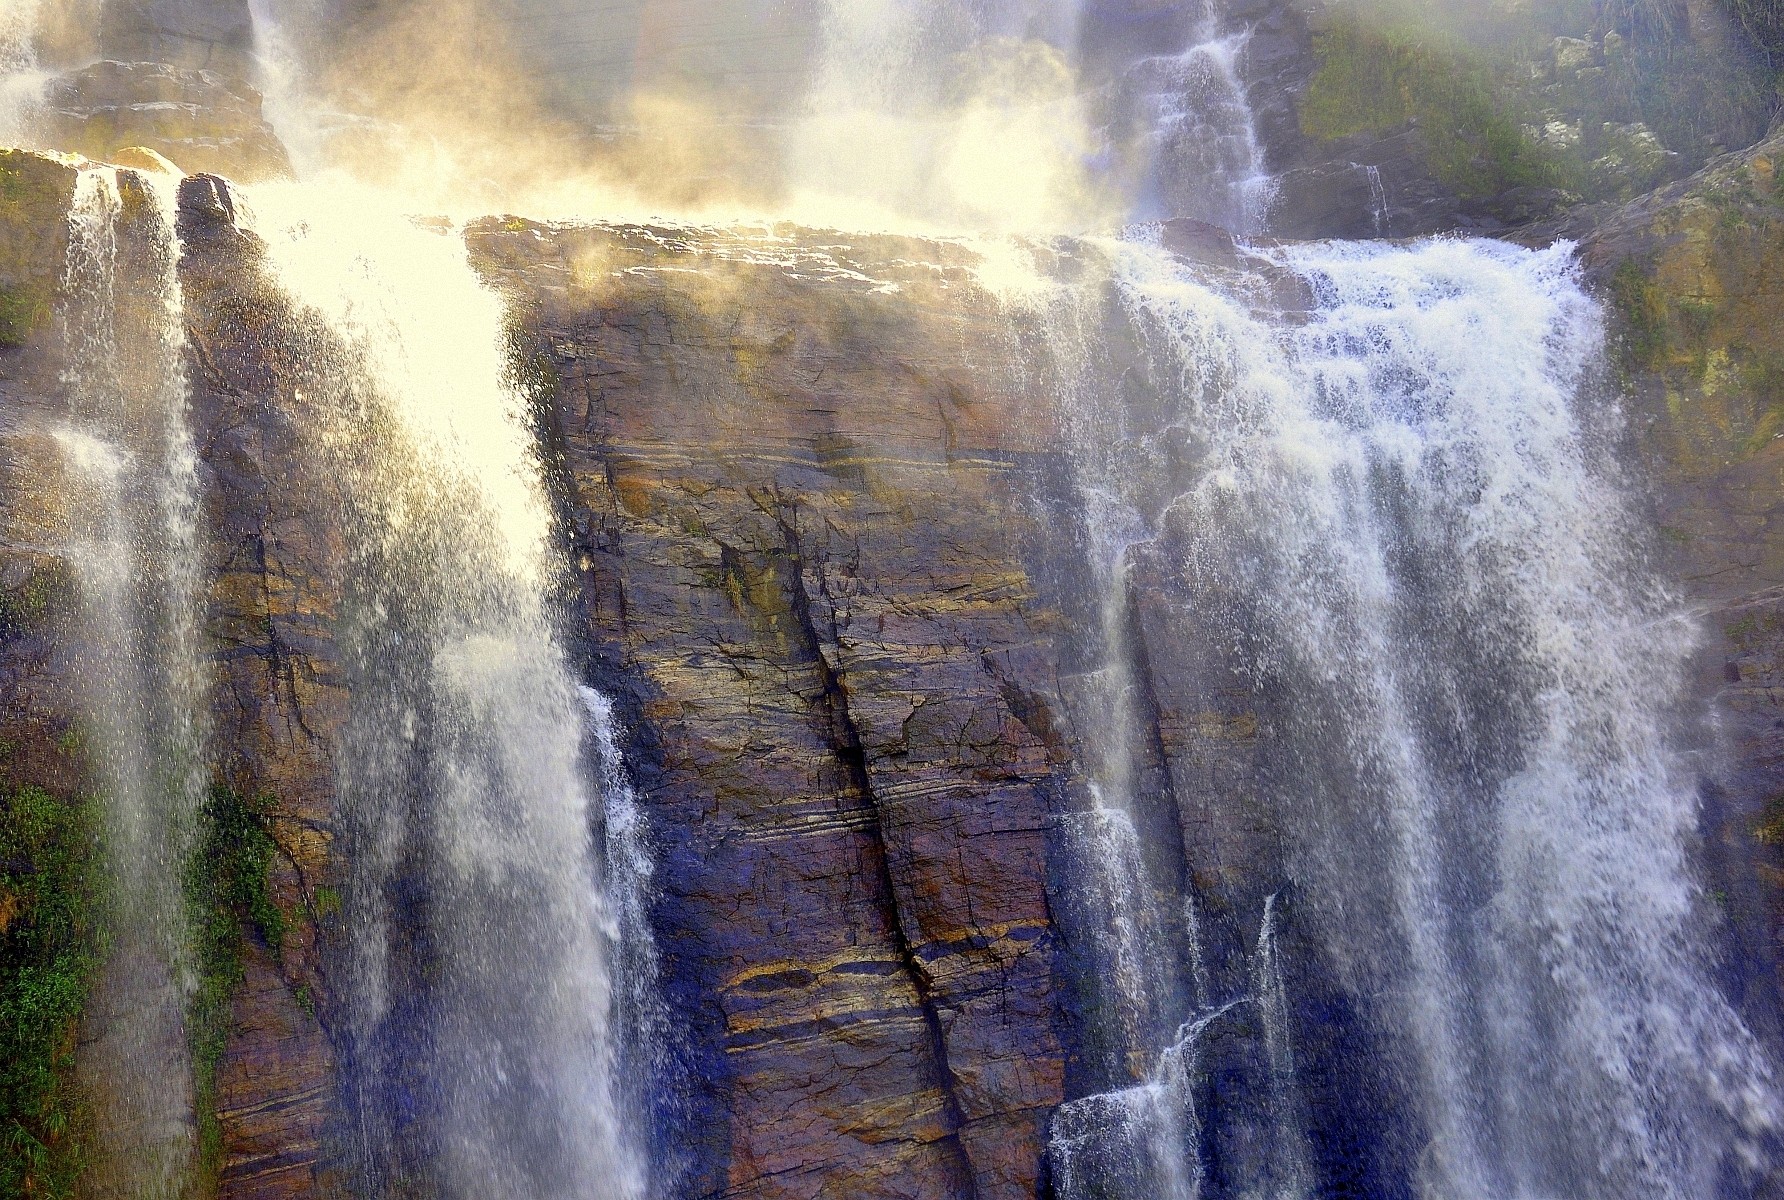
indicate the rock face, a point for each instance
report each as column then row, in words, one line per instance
column 1693, row 274
column 202, row 120
column 1480, row 120
column 803, row 557
column 825, row 560
column 208, row 35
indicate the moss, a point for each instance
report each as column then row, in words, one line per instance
column 328, row 903
column 226, row 886
column 1375, row 79
column 29, row 608
column 49, row 947
column 1642, row 306
column 22, row 312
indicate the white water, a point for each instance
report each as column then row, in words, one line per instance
column 1197, row 141
column 1289, row 1164
column 643, row 1017
column 21, row 82
column 1488, row 814
column 131, row 542
column 462, row 772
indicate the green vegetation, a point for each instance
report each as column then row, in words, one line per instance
column 21, row 312
column 1642, row 306
column 27, row 608
column 49, row 947
column 1605, row 100
column 1763, row 23
column 1374, row 79
column 226, row 886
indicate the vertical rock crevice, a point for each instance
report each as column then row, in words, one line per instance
column 847, row 745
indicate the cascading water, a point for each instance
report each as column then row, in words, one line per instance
column 1196, row 137
column 132, row 479
column 641, row 1019
column 21, row 83
column 1397, row 497
column 482, row 985
column 1289, row 1173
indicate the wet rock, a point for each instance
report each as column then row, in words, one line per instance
column 1691, row 275
column 798, row 503
column 200, row 120
column 1200, row 242
column 207, row 35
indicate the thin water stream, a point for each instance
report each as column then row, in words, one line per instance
column 132, row 545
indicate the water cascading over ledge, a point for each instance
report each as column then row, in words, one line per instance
column 1065, row 728
column 808, row 562
column 1484, row 839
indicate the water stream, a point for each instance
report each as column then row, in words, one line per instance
column 132, row 545
column 1479, row 779
column 482, row 982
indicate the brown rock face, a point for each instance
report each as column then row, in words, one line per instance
column 274, row 559
column 1694, row 274
column 201, row 120
column 798, row 519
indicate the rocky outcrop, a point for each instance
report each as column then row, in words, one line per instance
column 797, row 514
column 1693, row 275
column 201, row 120
column 1381, row 122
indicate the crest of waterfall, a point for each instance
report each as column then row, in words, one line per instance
column 482, row 994
column 132, row 487
column 1479, row 776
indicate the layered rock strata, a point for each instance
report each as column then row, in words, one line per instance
column 816, row 503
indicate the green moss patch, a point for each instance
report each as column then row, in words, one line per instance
column 226, row 886
column 1375, row 79
column 1642, row 306
column 49, row 948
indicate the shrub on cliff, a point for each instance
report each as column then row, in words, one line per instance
column 48, row 949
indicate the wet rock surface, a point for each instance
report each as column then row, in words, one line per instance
column 200, row 119
column 1693, row 275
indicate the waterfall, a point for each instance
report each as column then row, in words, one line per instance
column 131, row 543
column 21, row 83
column 1197, row 140
column 1290, row 1173
column 481, row 989
column 639, row 1011
column 1403, row 500
column 1379, row 212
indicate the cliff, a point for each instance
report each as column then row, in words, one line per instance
column 823, row 550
